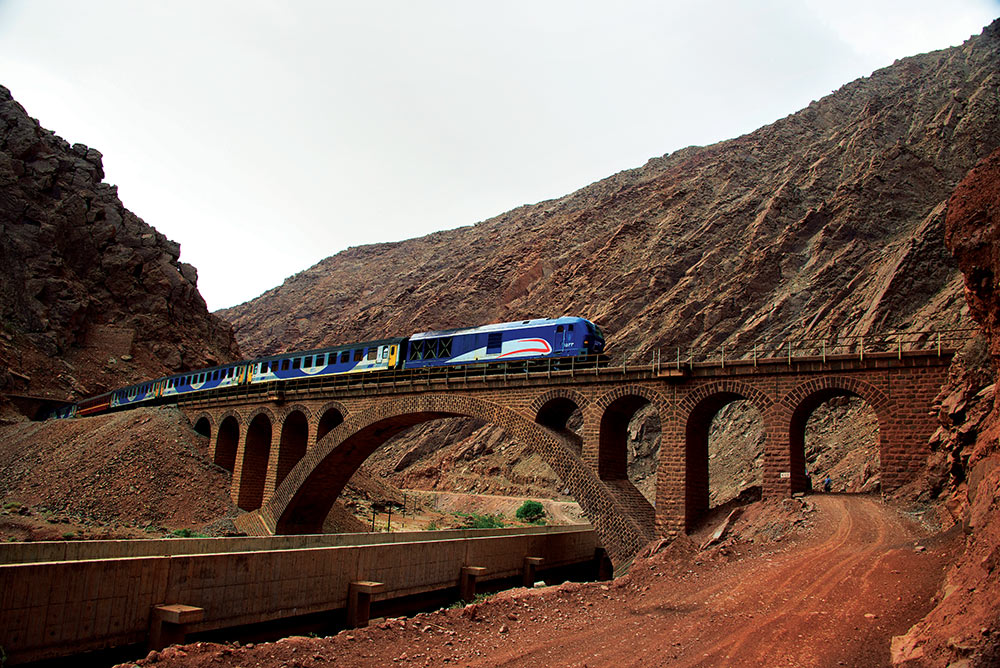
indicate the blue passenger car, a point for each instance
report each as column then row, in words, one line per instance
column 503, row 342
column 226, row 375
column 354, row 358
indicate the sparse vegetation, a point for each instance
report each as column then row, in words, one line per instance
column 477, row 521
column 186, row 533
column 433, row 526
column 69, row 535
column 531, row 511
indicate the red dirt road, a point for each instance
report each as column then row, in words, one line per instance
column 832, row 594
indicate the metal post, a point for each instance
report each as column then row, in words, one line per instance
column 900, row 342
column 939, row 343
column 388, row 520
column 824, row 351
column 678, row 358
column 723, row 355
column 755, row 355
column 862, row 353
column 789, row 353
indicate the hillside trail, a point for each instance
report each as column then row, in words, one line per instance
column 832, row 594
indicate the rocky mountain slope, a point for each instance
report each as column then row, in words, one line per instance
column 91, row 297
column 964, row 627
column 826, row 223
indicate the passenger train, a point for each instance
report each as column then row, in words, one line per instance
column 488, row 344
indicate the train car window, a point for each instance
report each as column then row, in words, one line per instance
column 416, row 350
column 372, row 353
column 284, row 365
column 308, row 361
column 358, row 355
column 494, row 343
column 559, row 328
column 296, row 362
column 345, row 357
column 215, row 375
column 321, row 360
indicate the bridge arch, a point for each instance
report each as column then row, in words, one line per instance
column 293, row 442
column 329, row 415
column 227, row 440
column 554, row 410
column 615, row 410
column 792, row 414
column 304, row 498
column 256, row 455
column 202, row 424
column 688, row 460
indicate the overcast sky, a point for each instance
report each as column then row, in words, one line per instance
column 264, row 136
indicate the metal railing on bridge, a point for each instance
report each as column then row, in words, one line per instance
column 822, row 348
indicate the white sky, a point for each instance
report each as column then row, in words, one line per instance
column 264, row 136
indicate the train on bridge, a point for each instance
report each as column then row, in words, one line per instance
column 485, row 345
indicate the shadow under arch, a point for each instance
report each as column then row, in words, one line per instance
column 308, row 492
column 699, row 411
column 800, row 403
column 556, row 408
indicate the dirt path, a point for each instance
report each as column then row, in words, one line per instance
column 832, row 597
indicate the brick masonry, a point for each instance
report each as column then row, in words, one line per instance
column 291, row 456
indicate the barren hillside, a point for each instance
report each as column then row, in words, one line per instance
column 826, row 223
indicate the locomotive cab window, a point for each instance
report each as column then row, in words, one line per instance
column 559, row 328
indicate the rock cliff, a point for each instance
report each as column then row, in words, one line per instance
column 91, row 297
column 964, row 627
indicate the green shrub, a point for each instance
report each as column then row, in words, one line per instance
column 69, row 535
column 187, row 533
column 530, row 511
column 477, row 521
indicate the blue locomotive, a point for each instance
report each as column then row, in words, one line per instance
column 489, row 344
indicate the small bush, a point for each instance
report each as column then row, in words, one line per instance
column 530, row 511
column 69, row 535
column 187, row 533
column 477, row 521
column 433, row 526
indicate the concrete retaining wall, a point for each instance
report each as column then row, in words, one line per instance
column 58, row 608
column 75, row 550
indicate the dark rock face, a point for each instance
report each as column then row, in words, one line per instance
column 973, row 234
column 92, row 297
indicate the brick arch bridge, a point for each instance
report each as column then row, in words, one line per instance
column 292, row 448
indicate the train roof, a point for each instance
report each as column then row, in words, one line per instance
column 499, row 327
